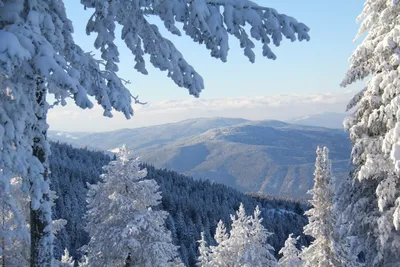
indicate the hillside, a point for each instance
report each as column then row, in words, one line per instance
column 141, row 138
column 194, row 206
column 266, row 157
column 269, row 157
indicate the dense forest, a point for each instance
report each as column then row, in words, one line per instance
column 193, row 205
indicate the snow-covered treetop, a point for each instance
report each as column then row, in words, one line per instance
column 290, row 253
column 121, row 219
column 380, row 49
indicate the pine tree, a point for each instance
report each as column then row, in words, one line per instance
column 374, row 128
column 220, row 233
column 219, row 253
column 290, row 253
column 66, row 260
column 204, row 253
column 247, row 243
column 260, row 251
column 121, row 219
column 326, row 250
column 39, row 57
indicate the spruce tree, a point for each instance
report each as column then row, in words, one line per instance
column 326, row 250
column 247, row 242
column 204, row 253
column 123, row 219
column 374, row 130
column 290, row 253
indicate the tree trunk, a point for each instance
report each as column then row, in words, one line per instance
column 128, row 261
column 41, row 236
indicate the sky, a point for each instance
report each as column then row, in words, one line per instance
column 303, row 80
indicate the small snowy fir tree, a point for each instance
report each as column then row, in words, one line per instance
column 247, row 243
column 219, row 252
column 290, row 253
column 374, row 130
column 326, row 250
column 220, row 233
column 259, row 251
column 66, row 260
column 121, row 219
column 204, row 253
column 84, row 262
column 38, row 57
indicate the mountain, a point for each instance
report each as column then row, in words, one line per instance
column 269, row 157
column 327, row 119
column 139, row 138
column 193, row 205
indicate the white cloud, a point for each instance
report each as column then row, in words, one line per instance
column 281, row 107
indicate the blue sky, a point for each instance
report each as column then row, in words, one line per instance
column 306, row 68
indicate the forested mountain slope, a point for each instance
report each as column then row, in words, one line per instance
column 194, row 205
column 269, row 157
column 281, row 155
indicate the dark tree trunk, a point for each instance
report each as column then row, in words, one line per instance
column 128, row 261
column 41, row 237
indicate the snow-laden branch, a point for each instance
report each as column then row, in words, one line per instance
column 207, row 22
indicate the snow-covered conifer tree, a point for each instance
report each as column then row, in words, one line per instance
column 204, row 253
column 326, row 250
column 220, row 233
column 290, row 253
column 66, row 260
column 121, row 218
column 84, row 262
column 247, row 243
column 219, row 252
column 260, row 251
column 374, row 131
column 358, row 214
column 38, row 57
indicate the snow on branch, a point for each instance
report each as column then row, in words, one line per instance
column 207, row 22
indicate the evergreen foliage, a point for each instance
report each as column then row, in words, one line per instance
column 194, row 206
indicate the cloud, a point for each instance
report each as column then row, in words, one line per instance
column 280, row 106
column 242, row 102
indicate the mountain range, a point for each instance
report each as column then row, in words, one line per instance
column 268, row 157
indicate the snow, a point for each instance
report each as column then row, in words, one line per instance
column 290, row 253
column 120, row 211
column 374, row 129
column 67, row 135
column 327, row 250
column 245, row 245
column 115, row 150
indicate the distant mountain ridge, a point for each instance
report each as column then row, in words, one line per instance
column 269, row 157
column 328, row 120
column 137, row 138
